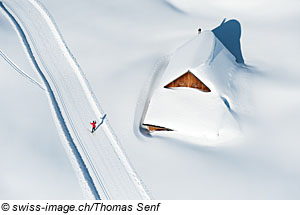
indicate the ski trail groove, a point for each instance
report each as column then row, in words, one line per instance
column 20, row 71
column 103, row 163
column 54, row 103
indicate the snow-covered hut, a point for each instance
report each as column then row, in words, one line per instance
column 195, row 94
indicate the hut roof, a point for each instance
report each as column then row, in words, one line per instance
column 200, row 56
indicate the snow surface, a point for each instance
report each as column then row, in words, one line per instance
column 120, row 45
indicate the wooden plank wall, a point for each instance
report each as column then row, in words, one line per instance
column 156, row 128
column 188, row 80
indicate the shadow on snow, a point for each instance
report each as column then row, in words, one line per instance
column 229, row 33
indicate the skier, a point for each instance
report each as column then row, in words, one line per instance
column 93, row 126
column 199, row 31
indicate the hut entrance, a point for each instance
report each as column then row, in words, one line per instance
column 188, row 79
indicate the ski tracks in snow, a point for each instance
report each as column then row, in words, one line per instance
column 20, row 71
column 100, row 158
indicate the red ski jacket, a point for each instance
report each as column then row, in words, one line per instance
column 93, row 124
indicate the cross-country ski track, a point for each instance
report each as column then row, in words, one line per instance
column 20, row 71
column 99, row 156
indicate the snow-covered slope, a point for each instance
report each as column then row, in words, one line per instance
column 31, row 153
column 100, row 158
column 191, row 111
column 120, row 44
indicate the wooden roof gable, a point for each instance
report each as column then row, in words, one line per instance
column 188, row 79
